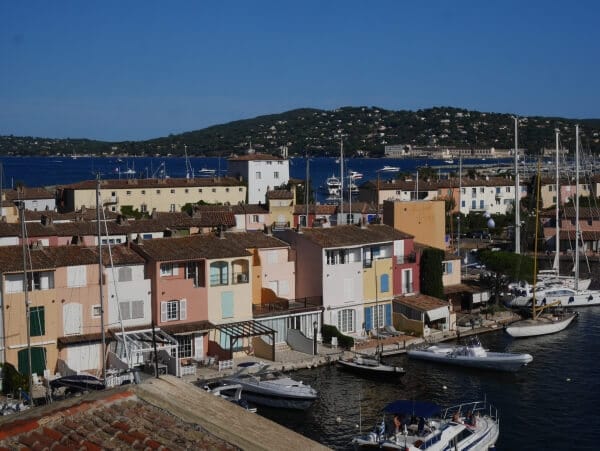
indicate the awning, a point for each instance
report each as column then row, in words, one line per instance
column 141, row 341
column 438, row 313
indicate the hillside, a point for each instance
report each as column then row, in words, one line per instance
column 366, row 131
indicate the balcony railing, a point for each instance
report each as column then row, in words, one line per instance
column 286, row 306
column 408, row 258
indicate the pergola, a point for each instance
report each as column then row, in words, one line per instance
column 244, row 329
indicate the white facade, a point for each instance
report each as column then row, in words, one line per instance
column 128, row 288
column 262, row 175
column 491, row 199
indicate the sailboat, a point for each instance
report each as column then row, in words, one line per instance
column 542, row 321
column 371, row 365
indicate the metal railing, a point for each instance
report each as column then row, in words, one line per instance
column 286, row 306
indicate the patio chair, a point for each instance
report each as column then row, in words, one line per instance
column 392, row 331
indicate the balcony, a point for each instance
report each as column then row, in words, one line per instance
column 282, row 306
column 240, row 277
column 408, row 258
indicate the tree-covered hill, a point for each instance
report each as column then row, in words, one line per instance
column 365, row 130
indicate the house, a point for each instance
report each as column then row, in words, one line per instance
column 146, row 195
column 261, row 172
column 65, row 309
column 281, row 204
column 423, row 315
column 567, row 187
column 425, row 220
column 356, row 269
column 35, row 199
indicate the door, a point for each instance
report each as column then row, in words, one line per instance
column 38, row 360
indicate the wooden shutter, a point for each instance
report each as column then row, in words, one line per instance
column 183, row 309
column 163, row 312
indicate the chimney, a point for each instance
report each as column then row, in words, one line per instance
column 46, row 220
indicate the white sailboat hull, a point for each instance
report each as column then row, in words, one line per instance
column 544, row 325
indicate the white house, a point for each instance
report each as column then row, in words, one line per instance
column 262, row 173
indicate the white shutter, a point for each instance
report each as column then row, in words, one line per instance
column 198, row 346
column 163, row 312
column 284, row 288
column 175, row 269
column 183, row 309
column 72, row 319
column 14, row 283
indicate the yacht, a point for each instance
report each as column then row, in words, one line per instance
column 390, row 169
column 472, row 354
column 333, row 185
column 423, row 426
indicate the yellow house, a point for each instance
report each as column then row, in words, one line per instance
column 281, row 207
column 146, row 195
column 426, row 220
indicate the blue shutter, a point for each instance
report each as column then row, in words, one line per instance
column 388, row 314
column 449, row 267
column 227, row 304
column 368, row 318
column 384, row 283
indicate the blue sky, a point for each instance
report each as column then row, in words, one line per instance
column 120, row 70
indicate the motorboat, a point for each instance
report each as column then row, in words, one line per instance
column 354, row 175
column 206, row 172
column 78, row 382
column 370, row 366
column 272, row 388
column 387, row 168
column 419, row 425
column 559, row 295
column 541, row 324
column 472, row 354
column 333, row 185
column 231, row 393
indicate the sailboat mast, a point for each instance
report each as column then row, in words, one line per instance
column 517, row 197
column 341, row 178
column 577, row 227
column 556, row 264
column 535, row 244
column 26, row 291
column 100, row 278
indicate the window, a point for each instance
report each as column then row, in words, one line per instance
column 378, row 316
column 473, row 204
column 407, row 281
column 240, row 190
column 186, row 191
column 550, row 188
column 226, row 190
column 185, row 345
column 473, row 192
column 199, row 190
column 173, row 310
column 482, row 190
column 131, row 310
column 482, row 204
column 172, row 208
column 128, row 193
column 34, row 281
column 172, row 191
column 37, row 322
column 219, row 274
column 276, row 175
column 214, row 190
column 113, row 194
column 384, row 283
column 167, row 269
column 508, row 189
column 124, row 274
column 76, row 276
column 346, row 321
column 191, row 272
column 143, row 191
column 96, row 311
column 144, row 208
column 447, row 268
column 258, row 175
column 157, row 191
column 255, row 218
column 497, row 190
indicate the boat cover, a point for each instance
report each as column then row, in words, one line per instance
column 417, row 408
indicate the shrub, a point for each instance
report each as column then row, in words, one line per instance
column 13, row 380
column 328, row 331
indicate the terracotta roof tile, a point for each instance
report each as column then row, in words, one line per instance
column 351, row 235
column 280, row 194
column 421, row 302
column 28, row 194
column 154, row 183
column 191, row 248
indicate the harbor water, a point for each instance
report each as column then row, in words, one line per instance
column 551, row 404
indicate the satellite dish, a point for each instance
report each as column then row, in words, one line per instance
column 491, row 224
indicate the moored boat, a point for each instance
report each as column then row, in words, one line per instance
column 370, row 366
column 420, row 425
column 272, row 388
column 473, row 355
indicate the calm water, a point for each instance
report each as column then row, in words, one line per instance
column 552, row 404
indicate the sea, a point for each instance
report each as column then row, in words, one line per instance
column 551, row 404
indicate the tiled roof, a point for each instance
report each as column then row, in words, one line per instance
column 85, row 214
column 256, row 240
column 192, row 248
column 327, row 209
column 432, row 185
column 155, row 183
column 280, row 194
column 255, row 156
column 421, row 302
column 111, row 420
column 351, row 235
column 28, row 194
column 11, row 257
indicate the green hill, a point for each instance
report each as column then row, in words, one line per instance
column 366, row 131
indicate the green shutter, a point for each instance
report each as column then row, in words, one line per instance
column 37, row 323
